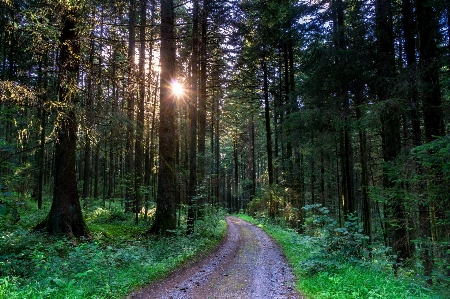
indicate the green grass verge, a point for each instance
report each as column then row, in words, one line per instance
column 119, row 259
column 346, row 281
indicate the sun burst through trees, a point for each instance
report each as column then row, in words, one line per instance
column 177, row 88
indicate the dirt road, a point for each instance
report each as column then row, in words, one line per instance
column 247, row 265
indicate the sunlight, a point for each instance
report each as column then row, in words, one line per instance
column 177, row 88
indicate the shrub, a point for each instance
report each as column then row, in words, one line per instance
column 336, row 245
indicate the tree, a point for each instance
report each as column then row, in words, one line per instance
column 390, row 120
column 428, row 34
column 193, row 95
column 130, row 192
column 65, row 214
column 165, row 215
column 202, row 42
column 139, row 145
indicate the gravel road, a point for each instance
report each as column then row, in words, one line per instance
column 248, row 264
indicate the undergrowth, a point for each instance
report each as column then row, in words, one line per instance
column 326, row 267
column 118, row 260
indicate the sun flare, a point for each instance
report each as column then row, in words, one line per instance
column 177, row 88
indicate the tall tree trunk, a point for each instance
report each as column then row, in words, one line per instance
column 43, row 118
column 428, row 32
column 287, row 153
column 96, row 172
column 365, row 204
column 165, row 215
column 150, row 177
column 87, row 146
column 193, row 95
column 114, row 108
column 252, row 174
column 217, row 152
column 348, row 201
column 139, row 144
column 129, row 177
column 347, row 164
column 65, row 214
column 390, row 122
column 202, row 106
column 272, row 211
column 410, row 54
column 322, row 179
column 235, row 196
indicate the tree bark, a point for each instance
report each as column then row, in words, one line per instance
column 272, row 211
column 165, row 215
column 252, row 166
column 202, row 96
column 129, row 177
column 87, row 147
column 390, row 133
column 193, row 95
column 428, row 32
column 139, row 145
column 408, row 26
column 43, row 117
column 65, row 214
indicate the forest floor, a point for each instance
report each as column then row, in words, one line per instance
column 248, row 264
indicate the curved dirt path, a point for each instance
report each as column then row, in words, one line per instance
column 247, row 265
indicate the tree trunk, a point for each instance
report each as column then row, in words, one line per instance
column 139, row 145
column 43, row 118
column 150, row 176
column 129, row 177
column 287, row 108
column 65, row 214
column 96, row 173
column 410, row 54
column 202, row 108
column 193, row 95
column 365, row 204
column 217, row 152
column 252, row 175
column 428, row 32
column 390, row 122
column 88, row 109
column 272, row 211
column 165, row 215
column 236, row 177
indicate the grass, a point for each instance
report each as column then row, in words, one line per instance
column 119, row 259
column 345, row 281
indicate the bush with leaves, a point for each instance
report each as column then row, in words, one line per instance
column 336, row 245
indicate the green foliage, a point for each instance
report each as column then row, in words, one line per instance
column 11, row 210
column 120, row 259
column 207, row 227
column 369, row 280
column 336, row 245
column 259, row 207
column 284, row 209
column 434, row 155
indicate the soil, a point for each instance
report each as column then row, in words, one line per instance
column 248, row 264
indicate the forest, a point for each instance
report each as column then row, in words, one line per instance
column 124, row 123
